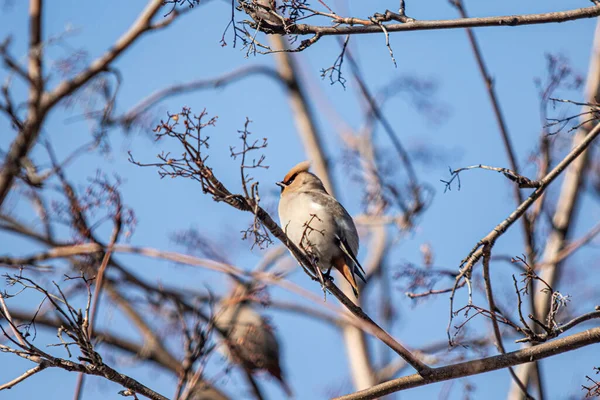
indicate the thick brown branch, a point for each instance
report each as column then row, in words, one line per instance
column 507, row 20
column 36, row 88
column 569, row 343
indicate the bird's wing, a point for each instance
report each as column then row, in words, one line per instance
column 347, row 236
column 348, row 252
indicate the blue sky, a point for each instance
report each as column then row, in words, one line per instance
column 314, row 355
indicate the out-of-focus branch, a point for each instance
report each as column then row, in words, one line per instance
column 302, row 113
column 491, row 89
column 6, row 314
column 397, row 365
column 43, row 101
column 226, row 79
column 118, row 220
column 570, row 193
column 66, row 251
column 572, row 247
column 153, row 345
column 35, row 72
column 387, row 127
column 28, row 130
column 489, row 293
column 14, row 67
column 142, row 25
column 378, row 246
column 460, row 370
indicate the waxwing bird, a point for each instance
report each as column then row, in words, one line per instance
column 316, row 223
column 250, row 339
column 263, row 12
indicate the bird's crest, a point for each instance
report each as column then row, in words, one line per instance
column 300, row 167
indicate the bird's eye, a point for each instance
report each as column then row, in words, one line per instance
column 289, row 181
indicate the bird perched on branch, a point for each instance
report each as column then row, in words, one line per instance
column 318, row 224
column 249, row 339
column 264, row 14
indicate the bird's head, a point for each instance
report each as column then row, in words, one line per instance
column 298, row 179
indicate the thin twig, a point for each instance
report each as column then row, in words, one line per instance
column 38, row 368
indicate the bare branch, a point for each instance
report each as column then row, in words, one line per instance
column 38, row 368
column 476, row 254
column 570, row 194
column 226, row 79
column 492, row 306
column 522, row 181
column 357, row 26
column 44, row 101
column 479, row 366
column 74, row 325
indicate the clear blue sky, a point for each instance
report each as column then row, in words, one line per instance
column 314, row 355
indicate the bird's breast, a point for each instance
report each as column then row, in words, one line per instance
column 301, row 210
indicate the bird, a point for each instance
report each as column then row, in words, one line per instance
column 264, row 13
column 249, row 339
column 318, row 224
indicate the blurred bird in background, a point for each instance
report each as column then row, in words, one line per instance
column 249, row 339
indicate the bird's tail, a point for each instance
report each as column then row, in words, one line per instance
column 356, row 269
column 276, row 372
column 341, row 265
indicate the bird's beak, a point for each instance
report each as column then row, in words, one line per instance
column 280, row 184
